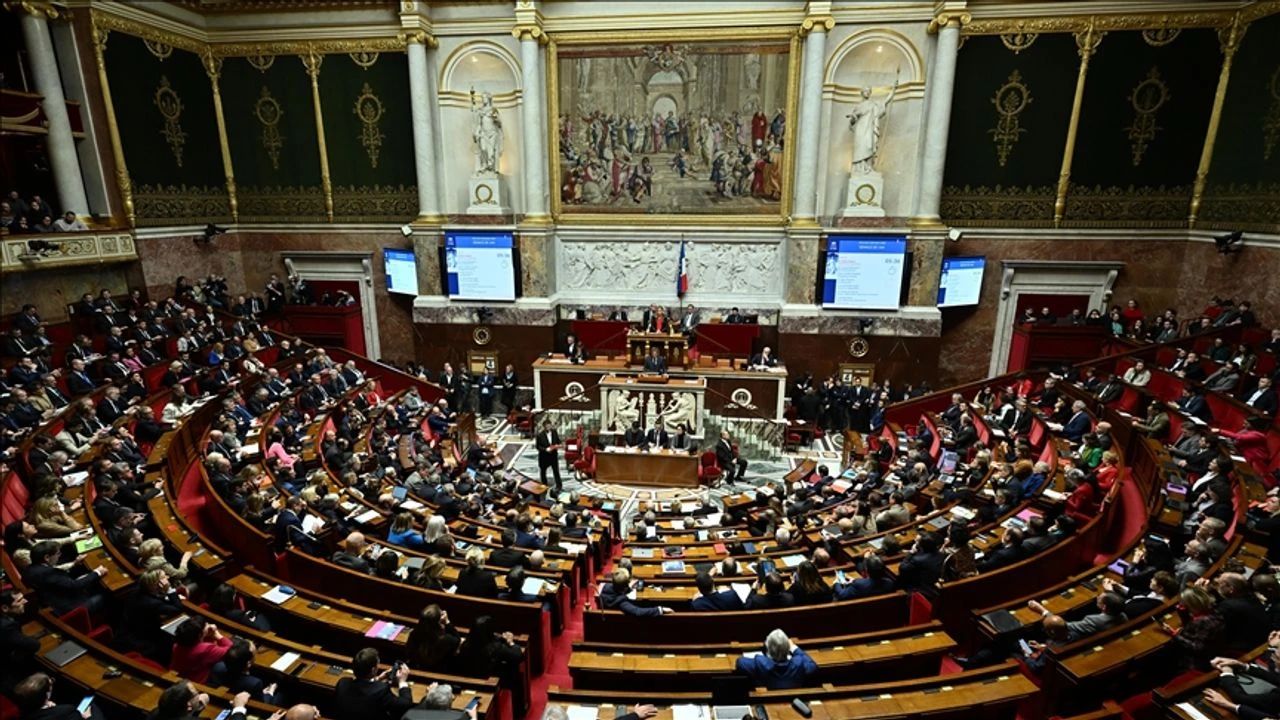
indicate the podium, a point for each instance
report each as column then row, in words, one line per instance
column 672, row 347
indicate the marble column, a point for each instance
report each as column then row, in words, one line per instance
column 424, row 133
column 803, row 209
column 938, row 119
column 62, row 146
column 533, row 126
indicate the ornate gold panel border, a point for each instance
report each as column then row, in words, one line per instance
column 382, row 203
column 1143, row 207
column 763, row 34
column 158, row 205
column 1120, row 21
column 282, row 204
column 1253, row 207
column 1029, row 207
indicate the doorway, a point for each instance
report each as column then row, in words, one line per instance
column 322, row 267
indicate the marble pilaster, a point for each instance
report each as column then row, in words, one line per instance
column 533, row 126
column 802, row 263
column 426, row 247
column 926, row 258
column 535, row 262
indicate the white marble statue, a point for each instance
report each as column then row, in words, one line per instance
column 867, row 123
column 487, row 134
column 682, row 410
column 624, row 409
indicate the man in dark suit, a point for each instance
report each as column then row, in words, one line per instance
column 1111, row 391
column 634, row 436
column 1079, row 424
column 1262, row 398
column 449, row 380
column 734, row 467
column 485, row 389
column 682, row 440
column 509, row 386
column 734, row 317
column 370, row 694
column 657, row 437
column 921, row 568
column 508, row 555
column 34, row 698
column 574, row 351
column 654, row 362
column 1193, row 403
column 1017, row 420
column 78, row 381
column 709, row 599
column 58, row 588
column 689, row 322
column 765, row 358
column 618, row 315
column 548, row 444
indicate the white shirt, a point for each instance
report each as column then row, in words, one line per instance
column 61, row 225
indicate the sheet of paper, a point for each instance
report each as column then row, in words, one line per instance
column 1192, row 711
column 285, row 661
column 312, row 523
column 688, row 712
column 742, row 589
column 532, row 586
column 276, row 596
column 581, row 712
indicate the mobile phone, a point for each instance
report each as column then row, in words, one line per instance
column 475, row 702
column 1026, row 649
column 223, row 715
column 84, row 704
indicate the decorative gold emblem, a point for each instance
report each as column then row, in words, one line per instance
column 170, row 106
column 482, row 335
column 261, row 63
column 859, row 347
column 1159, row 37
column 269, row 112
column 740, row 398
column 369, row 109
column 1018, row 41
column 162, row 51
column 1271, row 124
column 865, row 194
column 364, row 58
column 1147, row 98
column 1010, row 100
column 483, row 194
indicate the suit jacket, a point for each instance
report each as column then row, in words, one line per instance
column 778, row 676
column 1252, row 707
column 1077, row 426
column 1090, row 624
column 611, row 599
column 58, row 588
column 634, row 437
column 369, row 699
column 544, row 441
column 655, row 364
column 722, row 600
column 760, row 359
column 1264, row 402
column 658, row 437
column 477, row 583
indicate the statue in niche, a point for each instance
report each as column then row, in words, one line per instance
column 487, row 134
column 752, row 67
column 682, row 410
column 866, row 122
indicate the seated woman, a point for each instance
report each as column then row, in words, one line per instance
column 51, row 518
column 276, row 448
column 808, row 587
column 487, row 653
column 474, row 580
column 402, row 532
column 197, row 647
column 433, row 643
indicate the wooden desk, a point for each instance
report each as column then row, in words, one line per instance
column 673, row 347
column 662, row 468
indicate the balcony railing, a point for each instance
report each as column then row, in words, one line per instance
column 24, row 253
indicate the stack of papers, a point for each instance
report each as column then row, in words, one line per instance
column 285, row 661
column 384, row 630
column 75, row 479
column 533, row 586
column 277, row 595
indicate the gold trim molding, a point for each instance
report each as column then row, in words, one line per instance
column 46, row 10
column 963, row 19
column 1116, row 22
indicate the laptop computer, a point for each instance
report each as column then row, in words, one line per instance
column 65, row 653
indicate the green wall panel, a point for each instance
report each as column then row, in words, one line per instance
column 978, row 186
column 371, row 163
column 179, row 181
column 277, row 165
column 1243, row 188
column 1119, row 177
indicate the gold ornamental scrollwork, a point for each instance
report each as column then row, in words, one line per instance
column 160, row 50
column 369, row 109
column 261, row 63
column 364, row 58
column 859, row 346
column 1147, row 98
column 269, row 113
column 482, row 335
column 1159, row 37
column 1271, row 123
column 1018, row 41
column 170, row 107
column 1010, row 101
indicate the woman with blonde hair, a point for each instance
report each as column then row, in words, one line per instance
column 151, row 557
column 431, row 574
column 51, row 518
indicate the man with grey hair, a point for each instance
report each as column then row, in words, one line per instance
column 782, row 665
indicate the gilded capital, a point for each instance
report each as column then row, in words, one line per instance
column 1229, row 37
column 949, row 19
column 312, row 61
column 45, row 10
column 1088, row 40
column 825, row 22
column 529, row 32
column 418, row 37
column 212, row 66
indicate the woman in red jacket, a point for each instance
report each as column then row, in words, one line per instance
column 1108, row 471
column 1251, row 443
column 1082, row 502
column 197, row 647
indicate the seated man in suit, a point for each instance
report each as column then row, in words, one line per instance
column 59, row 589
column 635, row 437
column 765, row 359
column 734, row 317
column 734, row 467
column 682, row 440
column 876, row 581
column 369, row 695
column 617, row 595
column 782, row 665
column 1110, row 613
column 657, row 437
column 711, row 599
column 654, row 362
column 1262, row 398
column 1077, row 425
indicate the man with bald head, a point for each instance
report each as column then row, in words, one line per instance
column 352, row 554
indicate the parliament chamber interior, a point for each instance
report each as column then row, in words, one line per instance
column 581, row 360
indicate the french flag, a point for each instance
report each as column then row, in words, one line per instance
column 682, row 273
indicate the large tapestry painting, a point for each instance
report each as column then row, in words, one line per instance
column 696, row 128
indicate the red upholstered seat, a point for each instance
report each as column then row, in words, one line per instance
column 587, row 464
column 709, row 469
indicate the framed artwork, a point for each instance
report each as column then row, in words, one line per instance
column 646, row 126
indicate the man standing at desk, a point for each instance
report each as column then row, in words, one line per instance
column 655, row 363
column 765, row 359
column 548, row 444
column 689, row 322
column 574, row 351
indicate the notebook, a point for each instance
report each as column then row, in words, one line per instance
column 1002, row 620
